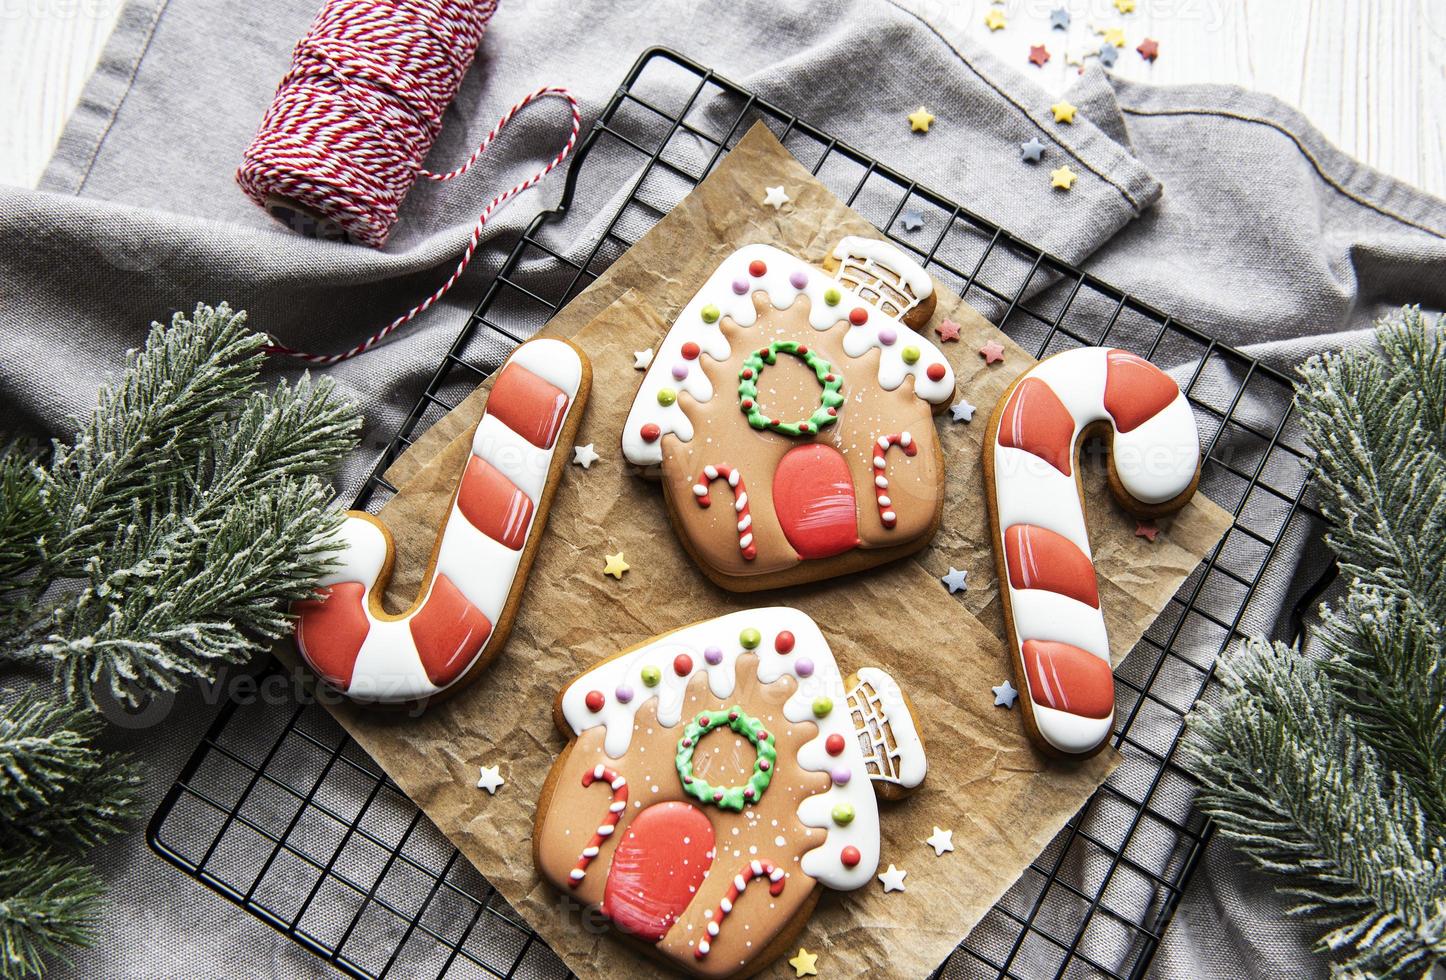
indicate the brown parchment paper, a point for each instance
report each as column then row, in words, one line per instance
column 1003, row 800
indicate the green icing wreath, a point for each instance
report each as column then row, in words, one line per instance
column 733, row 798
column 828, row 402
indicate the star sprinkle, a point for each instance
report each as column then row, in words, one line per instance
column 1063, row 112
column 919, row 120
column 1004, row 695
column 963, row 411
column 1108, row 55
column 584, row 456
column 1038, row 55
column 1059, row 19
column 1149, row 49
column 1031, row 150
column 616, row 566
column 941, row 840
column 893, row 879
column 1114, row 35
column 803, row 963
column 994, row 20
column 992, row 352
column 955, row 580
column 1146, row 530
column 948, row 330
column 489, row 779
column 1125, row 6
column 1063, row 178
column 775, row 196
column 912, row 220
column 642, row 358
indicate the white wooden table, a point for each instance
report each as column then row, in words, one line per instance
column 1370, row 73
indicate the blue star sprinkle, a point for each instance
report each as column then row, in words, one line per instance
column 912, row 220
column 954, row 580
column 1109, row 54
column 1031, row 150
column 963, row 411
column 1004, row 695
column 1059, row 19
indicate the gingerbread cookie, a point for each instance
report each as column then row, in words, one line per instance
column 791, row 412
column 1046, row 575
column 715, row 777
column 482, row 554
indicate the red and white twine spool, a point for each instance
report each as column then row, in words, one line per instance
column 358, row 111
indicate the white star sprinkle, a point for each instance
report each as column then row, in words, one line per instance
column 963, row 411
column 584, row 456
column 1004, row 695
column 489, row 779
column 642, row 358
column 893, row 879
column 941, row 840
column 955, row 580
column 776, row 197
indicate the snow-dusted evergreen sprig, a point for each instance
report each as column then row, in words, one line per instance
column 47, row 906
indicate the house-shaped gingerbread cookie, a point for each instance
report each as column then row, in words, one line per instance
column 789, row 414
column 715, row 777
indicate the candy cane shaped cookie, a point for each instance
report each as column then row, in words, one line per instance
column 740, row 502
column 753, row 869
column 1047, row 577
column 481, row 557
column 619, row 785
column 881, row 481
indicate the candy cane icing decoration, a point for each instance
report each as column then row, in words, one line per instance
column 740, row 502
column 1047, row 576
column 881, row 482
column 601, row 773
column 753, row 869
column 482, row 557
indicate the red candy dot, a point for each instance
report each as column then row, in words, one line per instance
column 691, row 351
column 595, row 701
column 747, row 403
column 756, row 268
column 682, row 665
column 783, row 642
column 935, row 372
column 802, row 349
column 835, row 744
column 850, row 857
column 858, row 316
column 650, row 432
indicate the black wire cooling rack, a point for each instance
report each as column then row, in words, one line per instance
column 280, row 812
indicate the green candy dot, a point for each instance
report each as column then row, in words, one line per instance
column 843, row 814
column 911, row 355
column 750, row 638
column 831, row 296
column 651, row 676
column 710, row 314
column 822, row 706
column 666, row 396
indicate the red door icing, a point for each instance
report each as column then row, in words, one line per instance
column 493, row 505
column 1135, row 390
column 657, row 868
column 1036, row 421
column 331, row 630
column 1039, row 558
column 1067, row 678
column 448, row 631
column 526, row 404
column 813, row 496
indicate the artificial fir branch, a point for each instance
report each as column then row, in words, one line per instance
column 47, row 905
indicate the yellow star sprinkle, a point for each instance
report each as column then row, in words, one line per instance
column 919, row 120
column 994, row 20
column 1114, row 35
column 1063, row 178
column 616, row 566
column 803, row 963
column 1063, row 112
column 1125, row 6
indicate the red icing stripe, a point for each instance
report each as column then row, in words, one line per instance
column 448, row 631
column 331, row 630
column 1036, row 421
column 1135, row 390
column 1067, row 678
column 1041, row 559
column 813, row 496
column 493, row 505
column 528, row 405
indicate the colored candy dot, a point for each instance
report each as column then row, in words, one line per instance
column 750, row 638
column 822, row 706
column 594, row 701
column 831, row 296
column 858, row 316
column 842, row 775
column 680, row 371
column 624, row 693
column 756, row 268
column 935, row 372
column 783, row 642
column 691, row 351
column 666, row 396
column 843, row 814
column 651, row 676
column 911, row 355
column 740, row 286
column 710, row 314
column 804, row 667
column 850, row 856
column 798, row 280
column 713, row 655
column 682, row 665
column 650, row 432
column 834, row 744
column 887, row 336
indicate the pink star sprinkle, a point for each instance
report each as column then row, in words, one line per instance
column 992, row 352
column 948, row 330
column 1146, row 530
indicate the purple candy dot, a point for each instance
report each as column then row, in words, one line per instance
column 680, row 371
column 887, row 336
column 624, row 693
column 713, row 655
column 842, row 775
column 740, row 286
column 798, row 280
column 803, row 667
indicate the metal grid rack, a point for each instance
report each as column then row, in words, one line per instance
column 284, row 815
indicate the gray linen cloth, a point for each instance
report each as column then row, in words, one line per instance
column 1223, row 207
